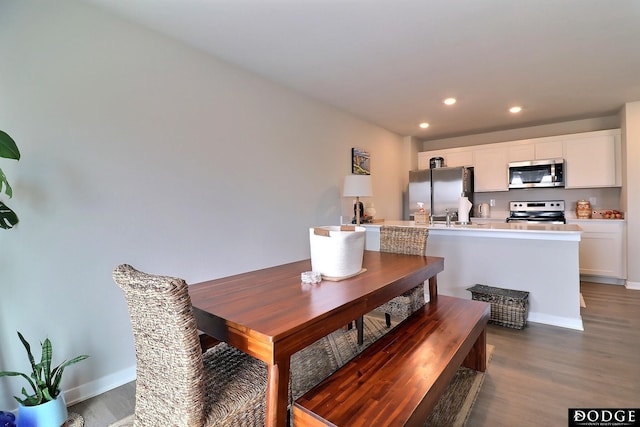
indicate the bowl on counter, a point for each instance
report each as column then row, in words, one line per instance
column 606, row 214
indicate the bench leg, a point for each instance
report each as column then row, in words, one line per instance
column 477, row 357
column 360, row 327
column 387, row 319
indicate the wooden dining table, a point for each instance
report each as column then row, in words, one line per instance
column 270, row 314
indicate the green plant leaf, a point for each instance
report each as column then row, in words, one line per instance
column 8, row 218
column 8, row 147
column 30, row 400
column 27, row 347
column 4, row 183
column 58, row 370
column 44, row 380
column 45, row 362
column 8, row 150
column 16, row 374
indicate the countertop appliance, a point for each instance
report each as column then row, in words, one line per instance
column 546, row 211
column 536, row 173
column 440, row 190
column 436, row 162
column 484, row 210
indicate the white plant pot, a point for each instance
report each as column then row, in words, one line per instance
column 337, row 251
column 51, row 414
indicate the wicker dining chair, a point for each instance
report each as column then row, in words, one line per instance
column 176, row 384
column 179, row 385
column 408, row 241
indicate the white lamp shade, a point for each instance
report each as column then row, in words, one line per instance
column 357, row 186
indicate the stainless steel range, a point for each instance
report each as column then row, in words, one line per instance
column 546, row 211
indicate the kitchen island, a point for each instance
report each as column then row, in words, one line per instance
column 541, row 259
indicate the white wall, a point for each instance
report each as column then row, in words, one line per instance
column 138, row 149
column 631, row 184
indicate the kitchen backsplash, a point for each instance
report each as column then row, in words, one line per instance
column 605, row 198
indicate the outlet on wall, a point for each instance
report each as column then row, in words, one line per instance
column 492, row 202
column 593, row 201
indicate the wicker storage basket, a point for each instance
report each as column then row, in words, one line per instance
column 508, row 307
column 336, row 251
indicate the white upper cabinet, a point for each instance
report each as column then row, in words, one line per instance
column 592, row 161
column 490, row 170
column 452, row 157
column 459, row 158
column 549, row 150
column 534, row 150
column 521, row 152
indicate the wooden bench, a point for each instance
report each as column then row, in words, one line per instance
column 398, row 380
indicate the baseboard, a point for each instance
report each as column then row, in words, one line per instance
column 99, row 386
column 633, row 285
column 563, row 322
column 602, row 279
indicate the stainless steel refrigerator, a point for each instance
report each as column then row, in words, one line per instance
column 440, row 189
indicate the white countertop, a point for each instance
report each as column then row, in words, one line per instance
column 503, row 230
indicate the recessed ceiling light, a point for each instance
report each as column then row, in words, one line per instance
column 424, row 125
column 515, row 110
column 449, row 101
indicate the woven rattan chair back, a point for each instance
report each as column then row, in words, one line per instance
column 403, row 240
column 407, row 241
column 169, row 381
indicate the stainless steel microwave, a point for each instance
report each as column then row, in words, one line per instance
column 537, row 173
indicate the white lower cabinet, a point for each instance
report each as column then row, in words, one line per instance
column 602, row 248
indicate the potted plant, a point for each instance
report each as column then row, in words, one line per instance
column 44, row 406
column 8, row 150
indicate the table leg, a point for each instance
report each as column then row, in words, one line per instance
column 277, row 394
column 433, row 288
column 360, row 328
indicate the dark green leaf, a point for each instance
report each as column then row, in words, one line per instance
column 8, row 217
column 26, row 345
column 8, row 147
column 4, row 183
column 47, row 354
column 57, row 372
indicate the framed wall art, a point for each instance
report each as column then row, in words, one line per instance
column 360, row 162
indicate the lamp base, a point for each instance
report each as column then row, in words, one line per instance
column 355, row 209
column 364, row 218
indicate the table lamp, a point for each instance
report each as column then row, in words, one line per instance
column 357, row 186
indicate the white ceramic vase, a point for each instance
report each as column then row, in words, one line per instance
column 51, row 414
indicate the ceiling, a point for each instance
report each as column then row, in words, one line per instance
column 392, row 62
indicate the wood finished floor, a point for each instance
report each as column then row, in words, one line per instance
column 535, row 375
